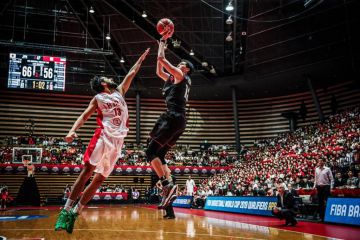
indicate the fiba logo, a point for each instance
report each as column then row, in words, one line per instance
column 44, row 168
column 55, row 169
column 119, row 197
column 8, row 168
column 76, row 169
column 128, row 170
column 138, row 170
column 149, row 170
column 177, row 170
column 118, row 170
column 213, row 171
column 204, row 171
column 20, row 168
column 195, row 170
column 186, row 170
column 96, row 197
column 222, row 170
column 66, row 169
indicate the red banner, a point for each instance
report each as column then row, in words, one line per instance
column 109, row 196
column 118, row 169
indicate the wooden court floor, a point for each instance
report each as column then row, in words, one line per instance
column 136, row 222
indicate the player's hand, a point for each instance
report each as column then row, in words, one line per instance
column 70, row 137
column 143, row 56
column 162, row 44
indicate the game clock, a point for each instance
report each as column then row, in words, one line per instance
column 37, row 72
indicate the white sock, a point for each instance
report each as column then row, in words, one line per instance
column 68, row 205
column 78, row 208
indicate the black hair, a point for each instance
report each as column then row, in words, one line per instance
column 95, row 83
column 189, row 65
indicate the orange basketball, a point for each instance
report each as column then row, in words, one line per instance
column 165, row 27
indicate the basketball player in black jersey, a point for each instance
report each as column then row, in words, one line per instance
column 171, row 124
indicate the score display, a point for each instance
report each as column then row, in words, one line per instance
column 37, row 72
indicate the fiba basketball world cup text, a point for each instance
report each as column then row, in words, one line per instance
column 256, row 205
column 345, row 210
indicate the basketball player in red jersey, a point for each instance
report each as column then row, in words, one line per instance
column 105, row 147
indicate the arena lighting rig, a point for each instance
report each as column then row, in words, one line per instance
column 57, row 48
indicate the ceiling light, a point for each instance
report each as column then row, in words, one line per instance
column 229, row 7
column 122, row 60
column 229, row 20
column 108, row 36
column 191, row 53
column 144, row 15
column 229, row 37
column 91, row 10
column 204, row 64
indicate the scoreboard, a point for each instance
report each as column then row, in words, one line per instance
column 37, row 72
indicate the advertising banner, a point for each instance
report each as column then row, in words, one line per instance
column 183, row 201
column 249, row 205
column 343, row 210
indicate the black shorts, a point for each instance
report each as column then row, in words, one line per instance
column 168, row 128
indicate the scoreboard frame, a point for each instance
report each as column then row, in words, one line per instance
column 36, row 72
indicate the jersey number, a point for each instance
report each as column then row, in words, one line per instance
column 117, row 111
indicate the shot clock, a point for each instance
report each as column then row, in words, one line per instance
column 36, row 72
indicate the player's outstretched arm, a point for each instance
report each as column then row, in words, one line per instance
column 124, row 86
column 177, row 73
column 160, row 69
column 81, row 120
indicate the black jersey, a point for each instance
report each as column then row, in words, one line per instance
column 176, row 95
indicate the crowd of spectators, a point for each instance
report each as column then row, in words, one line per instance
column 57, row 151
column 54, row 150
column 290, row 159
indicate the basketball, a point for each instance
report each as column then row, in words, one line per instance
column 165, row 26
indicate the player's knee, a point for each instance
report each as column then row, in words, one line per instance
column 150, row 155
column 162, row 157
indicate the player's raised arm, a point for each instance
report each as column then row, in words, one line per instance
column 160, row 70
column 81, row 120
column 124, row 86
column 176, row 72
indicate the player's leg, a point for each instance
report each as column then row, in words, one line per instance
column 162, row 152
column 90, row 190
column 170, row 212
column 106, row 156
column 85, row 198
column 74, row 194
column 79, row 184
column 168, row 177
column 158, row 137
column 166, row 130
column 156, row 152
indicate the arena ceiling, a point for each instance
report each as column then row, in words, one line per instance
column 276, row 44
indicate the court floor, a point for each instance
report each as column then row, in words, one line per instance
column 146, row 223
